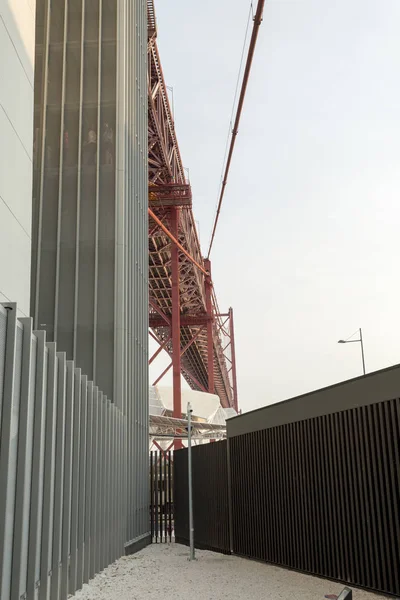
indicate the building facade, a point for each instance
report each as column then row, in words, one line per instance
column 17, row 53
column 90, row 255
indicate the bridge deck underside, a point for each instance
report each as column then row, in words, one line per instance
column 167, row 180
column 192, row 302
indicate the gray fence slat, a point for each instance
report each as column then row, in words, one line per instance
column 49, row 471
column 103, row 475
column 112, row 482
column 59, row 476
column 105, row 486
column 36, row 506
column 24, row 464
column 3, row 341
column 99, row 468
column 83, row 488
column 121, row 468
column 87, row 561
column 100, row 482
column 63, row 513
column 107, row 555
column 122, row 479
column 94, row 494
column 115, row 484
column 67, row 491
column 124, row 475
column 109, row 524
column 75, row 482
column 106, row 483
column 8, row 448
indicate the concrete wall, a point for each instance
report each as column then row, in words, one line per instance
column 17, row 50
column 362, row 391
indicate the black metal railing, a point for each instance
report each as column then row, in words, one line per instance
column 161, row 496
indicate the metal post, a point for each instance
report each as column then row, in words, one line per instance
column 233, row 357
column 210, row 342
column 176, row 325
column 191, row 528
column 362, row 351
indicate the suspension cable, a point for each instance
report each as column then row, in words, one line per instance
column 250, row 54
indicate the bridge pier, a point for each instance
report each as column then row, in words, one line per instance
column 175, row 321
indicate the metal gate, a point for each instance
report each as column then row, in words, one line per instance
column 161, row 496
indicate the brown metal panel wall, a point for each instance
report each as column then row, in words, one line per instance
column 321, row 495
column 210, row 497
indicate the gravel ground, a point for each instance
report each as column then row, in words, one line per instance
column 162, row 572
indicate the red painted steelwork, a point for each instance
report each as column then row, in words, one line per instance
column 233, row 354
column 180, row 287
column 210, row 329
column 185, row 320
column 174, row 240
column 192, row 341
column 175, row 324
column 157, row 352
column 170, row 194
column 256, row 26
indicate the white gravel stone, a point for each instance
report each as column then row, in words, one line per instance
column 163, row 572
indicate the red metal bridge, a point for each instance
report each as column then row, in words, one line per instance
column 184, row 317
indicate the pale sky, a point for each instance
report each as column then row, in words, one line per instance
column 307, row 248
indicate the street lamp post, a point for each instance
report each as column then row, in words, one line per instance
column 360, row 340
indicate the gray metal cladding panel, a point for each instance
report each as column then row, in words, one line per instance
column 132, row 264
column 91, row 213
column 47, row 280
column 67, row 266
column 3, row 331
column 322, row 496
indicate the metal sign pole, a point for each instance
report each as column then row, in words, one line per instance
column 191, row 528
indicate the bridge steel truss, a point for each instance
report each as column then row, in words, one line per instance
column 184, row 318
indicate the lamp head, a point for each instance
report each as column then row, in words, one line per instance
column 341, row 342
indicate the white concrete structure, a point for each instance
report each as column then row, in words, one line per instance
column 203, row 404
column 17, row 56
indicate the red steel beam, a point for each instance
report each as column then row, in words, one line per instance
column 170, row 194
column 233, row 353
column 223, row 325
column 157, row 352
column 158, row 446
column 174, row 238
column 246, row 74
column 185, row 321
column 175, row 322
column 193, row 378
column 159, row 311
column 210, row 341
column 194, row 338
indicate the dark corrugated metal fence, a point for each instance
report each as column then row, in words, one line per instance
column 321, row 496
column 210, row 497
